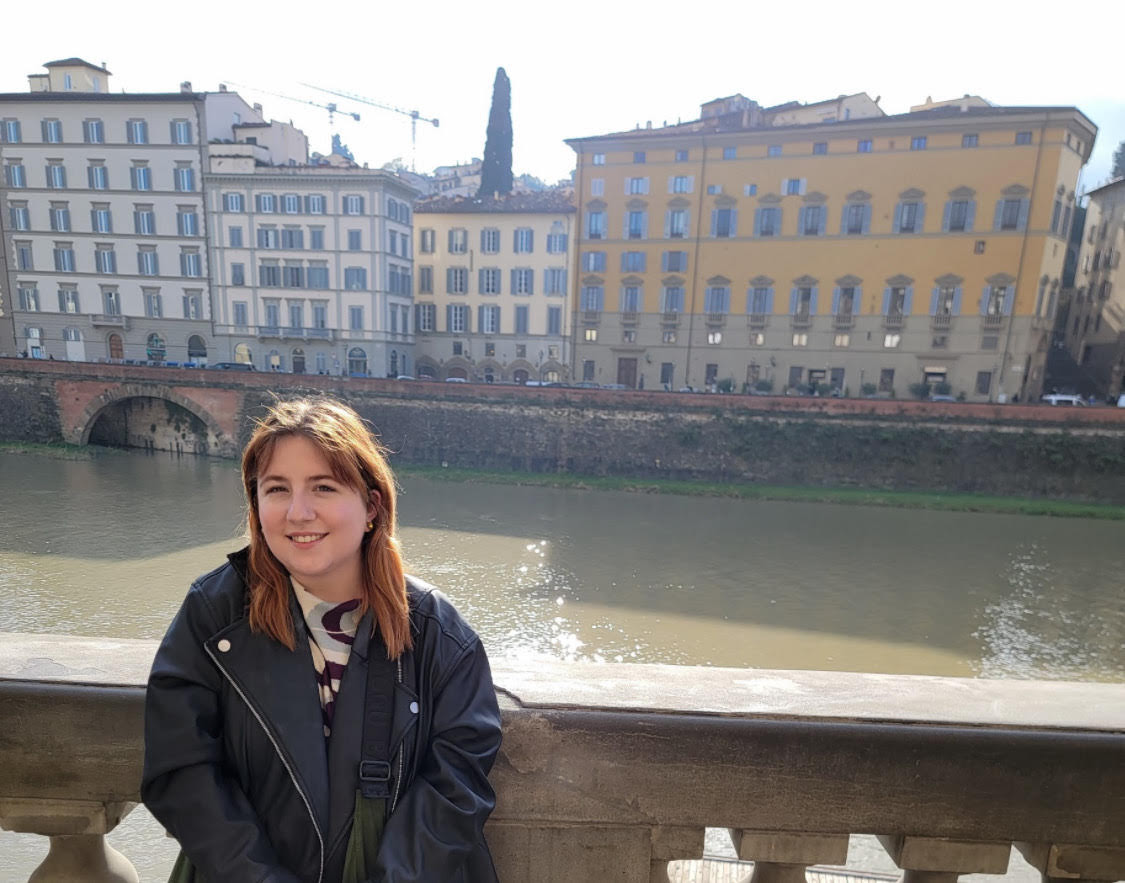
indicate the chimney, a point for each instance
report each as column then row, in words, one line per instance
column 648, row 124
column 222, row 87
column 185, row 86
column 257, row 108
column 103, row 65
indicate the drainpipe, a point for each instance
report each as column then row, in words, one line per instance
column 1019, row 266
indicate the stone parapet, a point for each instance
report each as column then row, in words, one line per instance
column 610, row 772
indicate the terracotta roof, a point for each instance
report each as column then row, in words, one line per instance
column 70, row 62
column 514, row 203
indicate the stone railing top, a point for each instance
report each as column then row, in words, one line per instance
column 845, row 697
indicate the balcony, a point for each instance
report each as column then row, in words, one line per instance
column 801, row 319
column 894, row 319
column 615, row 771
column 843, row 321
column 757, row 321
column 941, row 321
column 670, row 318
column 592, row 317
column 110, row 320
column 715, row 320
column 630, row 317
column 992, row 320
column 290, row 332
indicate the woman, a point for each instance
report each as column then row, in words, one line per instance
column 314, row 715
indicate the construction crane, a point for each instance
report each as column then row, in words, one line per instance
column 414, row 115
column 330, row 107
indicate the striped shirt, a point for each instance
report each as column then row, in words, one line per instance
column 332, row 630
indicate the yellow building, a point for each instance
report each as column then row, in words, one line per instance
column 491, row 302
column 1095, row 332
column 850, row 251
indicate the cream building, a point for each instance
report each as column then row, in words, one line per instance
column 492, row 300
column 312, row 264
column 1095, row 332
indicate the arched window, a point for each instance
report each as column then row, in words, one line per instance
column 196, row 348
column 520, row 376
column 155, row 348
column 116, row 346
column 298, row 360
column 357, row 361
column 242, row 354
column 394, row 363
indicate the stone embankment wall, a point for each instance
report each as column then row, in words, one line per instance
column 1024, row 450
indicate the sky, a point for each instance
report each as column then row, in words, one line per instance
column 584, row 67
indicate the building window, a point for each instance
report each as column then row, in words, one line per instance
column 636, row 224
column 523, row 281
column 592, row 298
column 959, row 215
column 105, row 259
column 1010, row 214
column 291, row 204
column 355, row 240
column 240, row 320
column 1023, row 137
column 458, row 240
column 64, row 257
column 187, row 223
column 521, row 319
column 60, row 217
column 820, row 148
column 154, row 304
column 315, row 204
column 136, row 132
column 97, row 176
column 457, row 322
column 523, row 240
column 556, row 243
column 674, row 262
column 554, row 320
column 591, row 335
column 681, row 184
column 192, row 306
column 759, row 301
column 595, row 225
column 237, row 274
column 181, row 132
column 970, row 140
column 56, row 175
column 68, row 301
column 842, row 340
column 52, row 131
column 10, row 132
column 716, row 300
column 891, row 341
column 353, row 205
column 489, row 240
column 141, row 176
column 20, row 216
column 638, row 156
column 355, row 318
column 800, row 339
column 235, row 234
column 773, row 150
column 427, row 241
column 812, row 220
column 631, row 299
column 767, row 221
column 24, row 256
column 918, row 142
column 597, row 186
column 425, row 280
column 456, row 280
column 677, row 220
column 633, row 261
column 636, row 186
column 293, row 275
column 425, row 317
column 15, row 175
column 29, row 299
column 269, row 276
column 857, row 219
column 316, row 238
column 233, row 202
column 489, row 320
column 681, row 156
column 593, row 261
column 724, row 223
column 318, row 275
column 863, row 145
column 598, row 159
column 729, row 153
column 908, row 217
column 184, row 178
column 489, row 280
column 269, row 237
column 355, row 278
column 984, row 383
column 672, row 299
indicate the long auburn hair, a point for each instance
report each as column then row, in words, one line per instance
column 356, row 460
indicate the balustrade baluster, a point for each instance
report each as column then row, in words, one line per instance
column 1073, row 862
column 782, row 857
column 940, row 860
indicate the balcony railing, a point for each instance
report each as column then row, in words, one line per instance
column 716, row 318
column 670, row 318
column 291, row 332
column 592, row 316
column 630, row 317
column 941, row 321
column 801, row 319
column 843, row 321
column 615, row 771
column 113, row 320
column 992, row 320
column 894, row 319
column 757, row 320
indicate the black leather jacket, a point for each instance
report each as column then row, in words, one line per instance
column 238, row 770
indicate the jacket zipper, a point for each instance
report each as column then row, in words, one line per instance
column 281, row 755
column 398, row 778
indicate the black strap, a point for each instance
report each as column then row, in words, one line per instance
column 378, row 715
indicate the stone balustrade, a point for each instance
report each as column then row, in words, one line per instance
column 611, row 772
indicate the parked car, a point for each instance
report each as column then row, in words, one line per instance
column 1056, row 398
column 233, row 366
column 456, row 380
column 938, row 397
column 587, row 384
column 404, row 377
column 614, row 386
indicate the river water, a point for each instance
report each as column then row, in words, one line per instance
column 107, row 546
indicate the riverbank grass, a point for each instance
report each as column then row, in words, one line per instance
column 935, row 500
column 55, row 450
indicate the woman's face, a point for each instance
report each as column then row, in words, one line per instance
column 313, row 523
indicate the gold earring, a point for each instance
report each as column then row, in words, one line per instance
column 371, row 525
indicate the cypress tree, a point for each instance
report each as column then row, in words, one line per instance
column 496, row 171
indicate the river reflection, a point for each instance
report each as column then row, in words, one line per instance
column 108, row 547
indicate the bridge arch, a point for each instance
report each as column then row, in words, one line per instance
column 133, row 406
